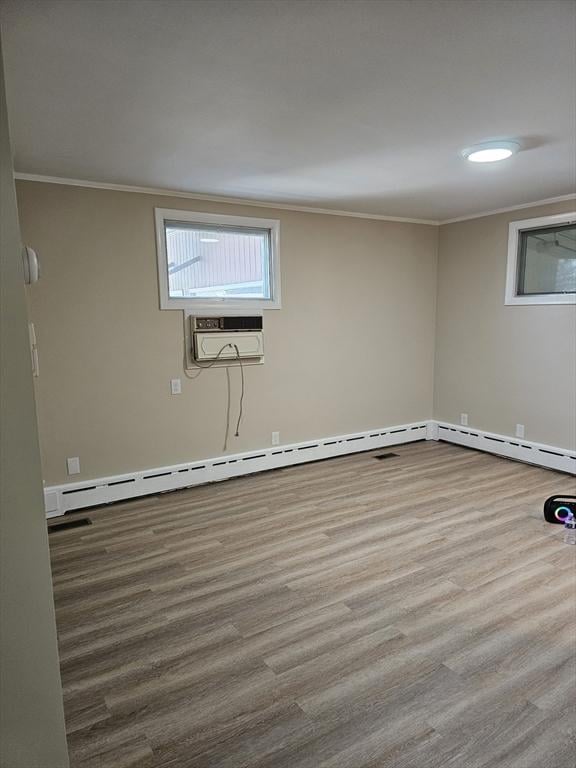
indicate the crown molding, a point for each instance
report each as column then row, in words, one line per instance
column 535, row 204
column 161, row 191
column 214, row 198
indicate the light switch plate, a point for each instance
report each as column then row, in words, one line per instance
column 176, row 386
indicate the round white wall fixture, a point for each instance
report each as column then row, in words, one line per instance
column 491, row 151
column 31, row 265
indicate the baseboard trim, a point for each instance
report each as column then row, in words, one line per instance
column 547, row 456
column 60, row 499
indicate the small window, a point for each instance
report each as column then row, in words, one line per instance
column 542, row 261
column 210, row 261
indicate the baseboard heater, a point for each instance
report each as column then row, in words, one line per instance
column 64, row 498
column 526, row 451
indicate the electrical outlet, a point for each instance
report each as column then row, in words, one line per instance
column 275, row 438
column 520, row 430
column 464, row 419
column 73, row 465
column 176, row 386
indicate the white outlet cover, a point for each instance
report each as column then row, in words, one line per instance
column 73, row 465
column 520, row 430
column 464, row 419
column 275, row 438
column 176, row 386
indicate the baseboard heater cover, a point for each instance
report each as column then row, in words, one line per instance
column 64, row 498
column 60, row 499
column 527, row 451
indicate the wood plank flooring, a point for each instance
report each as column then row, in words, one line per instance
column 409, row 613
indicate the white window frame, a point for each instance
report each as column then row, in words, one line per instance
column 223, row 305
column 514, row 230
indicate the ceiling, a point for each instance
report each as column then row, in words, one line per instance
column 353, row 105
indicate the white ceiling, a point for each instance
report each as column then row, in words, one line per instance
column 357, row 105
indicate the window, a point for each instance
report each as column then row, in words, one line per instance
column 209, row 261
column 542, row 261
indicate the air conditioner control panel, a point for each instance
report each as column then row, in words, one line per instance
column 206, row 323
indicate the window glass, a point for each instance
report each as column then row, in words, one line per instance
column 547, row 261
column 217, row 261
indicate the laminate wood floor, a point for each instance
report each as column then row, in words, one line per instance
column 415, row 612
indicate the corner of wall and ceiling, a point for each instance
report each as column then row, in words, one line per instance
column 279, row 206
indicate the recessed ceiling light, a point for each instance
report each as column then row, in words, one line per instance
column 491, row 151
column 209, row 240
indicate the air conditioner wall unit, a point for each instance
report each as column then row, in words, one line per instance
column 227, row 338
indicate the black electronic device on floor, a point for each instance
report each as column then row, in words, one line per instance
column 557, row 509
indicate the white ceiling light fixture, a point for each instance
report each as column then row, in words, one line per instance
column 491, row 151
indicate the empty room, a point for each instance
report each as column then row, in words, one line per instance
column 288, row 384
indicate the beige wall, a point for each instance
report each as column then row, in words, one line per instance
column 503, row 365
column 351, row 349
column 31, row 715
